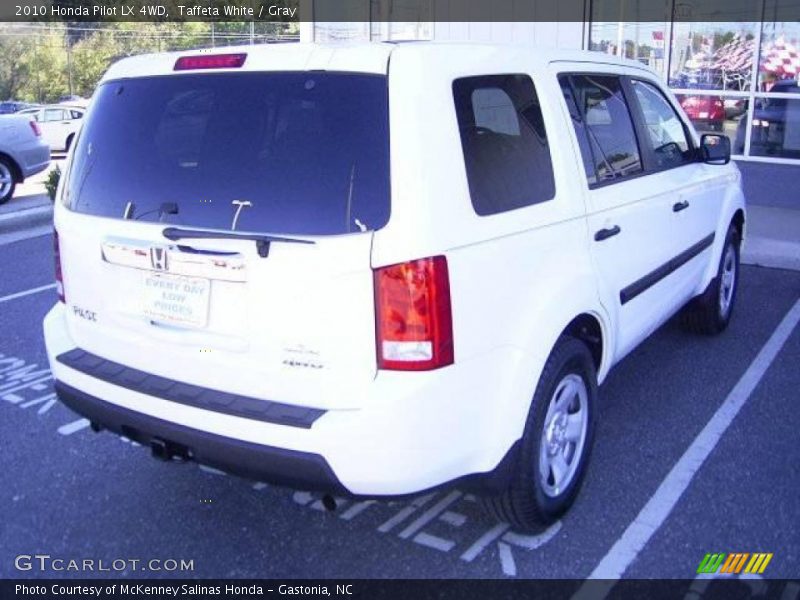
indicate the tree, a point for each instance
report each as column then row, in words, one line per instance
column 13, row 72
column 91, row 57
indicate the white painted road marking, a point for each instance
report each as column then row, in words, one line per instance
column 658, row 508
column 27, row 292
column 356, row 509
column 11, row 387
column 486, row 539
column 211, row 470
column 507, row 559
column 532, row 542
column 73, row 427
column 47, row 401
column 403, row 514
column 430, row 514
column 432, row 541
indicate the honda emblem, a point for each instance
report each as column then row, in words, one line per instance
column 158, row 258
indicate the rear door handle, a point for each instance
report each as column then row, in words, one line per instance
column 679, row 206
column 604, row 234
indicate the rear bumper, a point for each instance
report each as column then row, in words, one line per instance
column 256, row 461
column 299, row 470
column 35, row 159
column 416, row 432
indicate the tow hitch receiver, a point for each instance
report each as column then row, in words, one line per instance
column 167, row 451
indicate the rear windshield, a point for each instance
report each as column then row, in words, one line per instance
column 302, row 153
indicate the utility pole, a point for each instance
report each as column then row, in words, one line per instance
column 69, row 60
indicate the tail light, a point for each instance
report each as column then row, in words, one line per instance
column 414, row 325
column 59, row 274
column 37, row 131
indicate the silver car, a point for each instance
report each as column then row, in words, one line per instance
column 23, row 152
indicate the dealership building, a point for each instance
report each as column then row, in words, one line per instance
column 734, row 66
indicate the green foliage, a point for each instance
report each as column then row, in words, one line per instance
column 32, row 68
column 40, row 62
column 51, row 183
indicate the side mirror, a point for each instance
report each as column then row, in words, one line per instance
column 715, row 149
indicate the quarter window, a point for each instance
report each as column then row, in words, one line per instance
column 587, row 152
column 666, row 133
column 504, row 141
column 608, row 126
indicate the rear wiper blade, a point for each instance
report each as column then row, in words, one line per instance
column 262, row 241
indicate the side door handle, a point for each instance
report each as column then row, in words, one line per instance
column 679, row 206
column 604, row 234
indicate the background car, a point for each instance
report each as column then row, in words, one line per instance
column 705, row 112
column 734, row 107
column 23, row 152
column 770, row 122
column 11, row 106
column 59, row 124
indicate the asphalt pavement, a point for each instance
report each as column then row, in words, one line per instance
column 68, row 492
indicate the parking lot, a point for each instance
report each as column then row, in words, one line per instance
column 71, row 493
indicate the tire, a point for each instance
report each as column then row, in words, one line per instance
column 535, row 496
column 68, row 143
column 710, row 312
column 7, row 181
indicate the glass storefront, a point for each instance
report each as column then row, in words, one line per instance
column 738, row 77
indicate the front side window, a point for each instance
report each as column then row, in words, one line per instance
column 506, row 152
column 304, row 153
column 665, row 132
column 609, row 125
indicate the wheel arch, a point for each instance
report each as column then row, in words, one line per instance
column 16, row 171
column 732, row 213
column 588, row 328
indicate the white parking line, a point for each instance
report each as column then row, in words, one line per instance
column 73, row 427
column 658, row 508
column 27, row 292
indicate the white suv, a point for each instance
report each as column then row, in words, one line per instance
column 377, row 269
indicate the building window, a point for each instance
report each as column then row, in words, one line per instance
column 727, row 75
column 635, row 29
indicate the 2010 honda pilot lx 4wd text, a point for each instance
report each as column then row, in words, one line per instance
column 377, row 269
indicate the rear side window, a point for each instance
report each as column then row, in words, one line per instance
column 506, row 152
column 308, row 153
column 608, row 125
